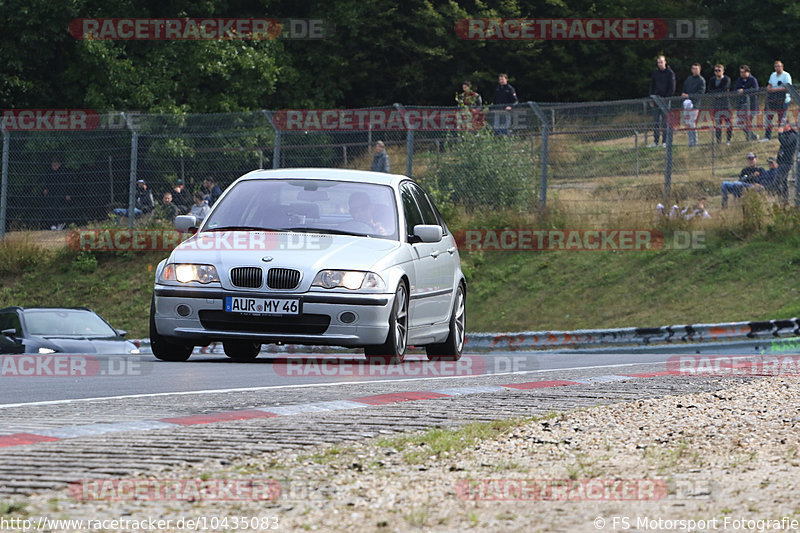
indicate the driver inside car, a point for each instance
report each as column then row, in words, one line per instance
column 361, row 209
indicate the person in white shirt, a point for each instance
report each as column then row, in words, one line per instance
column 778, row 98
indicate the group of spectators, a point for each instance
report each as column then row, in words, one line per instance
column 177, row 201
column 722, row 97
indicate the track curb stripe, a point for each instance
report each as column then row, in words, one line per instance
column 68, row 432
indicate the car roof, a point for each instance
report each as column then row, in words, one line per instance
column 332, row 174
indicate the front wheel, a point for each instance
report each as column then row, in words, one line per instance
column 394, row 349
column 241, row 350
column 451, row 348
column 165, row 348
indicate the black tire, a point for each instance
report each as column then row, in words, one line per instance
column 393, row 351
column 451, row 348
column 242, row 350
column 165, row 348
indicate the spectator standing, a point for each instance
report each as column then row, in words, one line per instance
column 213, row 192
column 747, row 85
column 181, row 197
column 200, row 209
column 505, row 96
column 778, row 98
column 748, row 177
column 57, row 195
column 720, row 86
column 380, row 161
column 788, row 139
column 690, row 120
column 468, row 97
column 693, row 87
column 662, row 83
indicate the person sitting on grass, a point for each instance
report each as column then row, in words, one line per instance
column 748, row 177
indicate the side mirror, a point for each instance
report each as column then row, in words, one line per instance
column 186, row 223
column 428, row 233
column 121, row 332
column 12, row 333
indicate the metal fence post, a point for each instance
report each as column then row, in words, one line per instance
column 545, row 127
column 276, row 146
column 663, row 105
column 409, row 142
column 4, row 184
column 134, row 167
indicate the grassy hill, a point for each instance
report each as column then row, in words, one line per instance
column 732, row 278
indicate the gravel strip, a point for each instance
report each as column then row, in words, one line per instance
column 645, row 465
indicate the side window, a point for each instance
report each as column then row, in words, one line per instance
column 410, row 209
column 9, row 321
column 428, row 216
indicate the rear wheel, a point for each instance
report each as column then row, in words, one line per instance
column 241, row 350
column 394, row 349
column 166, row 348
column 451, row 348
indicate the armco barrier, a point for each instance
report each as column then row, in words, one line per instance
column 537, row 340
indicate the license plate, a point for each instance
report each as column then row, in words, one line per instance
column 262, row 306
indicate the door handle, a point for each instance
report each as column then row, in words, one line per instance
column 451, row 250
column 435, row 254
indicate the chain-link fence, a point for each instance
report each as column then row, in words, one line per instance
column 590, row 160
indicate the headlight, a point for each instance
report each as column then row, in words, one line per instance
column 135, row 351
column 46, row 350
column 186, row 272
column 349, row 279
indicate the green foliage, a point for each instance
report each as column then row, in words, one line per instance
column 487, row 171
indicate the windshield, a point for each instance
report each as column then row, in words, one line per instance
column 338, row 207
column 71, row 322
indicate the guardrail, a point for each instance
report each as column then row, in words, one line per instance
column 538, row 340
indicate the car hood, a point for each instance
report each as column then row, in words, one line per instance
column 308, row 252
column 85, row 346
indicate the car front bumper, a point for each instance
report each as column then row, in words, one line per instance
column 198, row 316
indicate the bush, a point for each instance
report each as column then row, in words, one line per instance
column 483, row 170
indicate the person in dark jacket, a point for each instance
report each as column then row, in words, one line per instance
column 750, row 176
column 181, row 197
column 693, row 88
column 746, row 86
column 662, row 83
column 211, row 189
column 788, row 139
column 720, row 86
column 505, row 96
column 380, row 161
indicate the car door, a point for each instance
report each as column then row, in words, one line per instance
column 443, row 253
column 421, row 308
